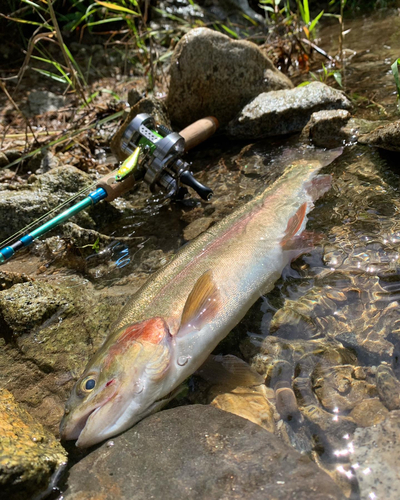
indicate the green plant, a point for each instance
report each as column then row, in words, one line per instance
column 324, row 76
column 310, row 25
column 395, row 71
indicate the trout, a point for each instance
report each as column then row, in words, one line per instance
column 171, row 325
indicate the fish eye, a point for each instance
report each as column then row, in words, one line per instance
column 88, row 384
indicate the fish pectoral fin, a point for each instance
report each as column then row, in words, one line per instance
column 229, row 371
column 294, row 224
column 302, row 243
column 202, row 304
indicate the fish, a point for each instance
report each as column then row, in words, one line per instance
column 177, row 318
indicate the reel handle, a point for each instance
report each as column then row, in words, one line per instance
column 199, row 131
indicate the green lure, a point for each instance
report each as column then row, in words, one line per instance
column 128, row 166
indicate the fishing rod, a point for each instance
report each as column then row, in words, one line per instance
column 154, row 157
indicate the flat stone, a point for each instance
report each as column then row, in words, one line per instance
column 377, row 455
column 197, row 452
column 386, row 137
column 285, row 111
column 211, row 74
column 29, row 455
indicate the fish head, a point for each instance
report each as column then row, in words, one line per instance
column 120, row 384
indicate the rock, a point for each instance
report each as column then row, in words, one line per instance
column 386, row 137
column 211, row 74
column 327, row 129
column 197, row 227
column 388, row 387
column 42, row 101
column 337, row 387
column 26, row 306
column 369, row 412
column 285, row 111
column 8, row 279
column 47, row 334
column 197, row 452
column 376, row 459
column 21, row 205
column 151, row 106
column 42, row 162
column 246, row 402
column 29, row 455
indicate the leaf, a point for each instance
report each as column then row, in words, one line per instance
column 303, row 84
column 114, row 6
column 337, row 75
column 55, row 77
column 228, row 30
column 395, row 71
column 315, row 21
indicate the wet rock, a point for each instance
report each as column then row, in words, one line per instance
column 197, row 452
column 211, row 74
column 376, row 459
column 326, row 128
column 21, row 205
column 337, row 387
column 42, row 101
column 285, row 111
column 9, row 278
column 197, row 227
column 369, row 412
column 388, row 387
column 47, row 334
column 246, row 402
column 25, row 306
column 29, row 455
column 386, row 137
column 151, row 106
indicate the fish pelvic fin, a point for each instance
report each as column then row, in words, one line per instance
column 202, row 304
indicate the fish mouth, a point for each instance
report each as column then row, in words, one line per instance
column 70, row 431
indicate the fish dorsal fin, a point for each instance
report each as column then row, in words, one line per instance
column 294, row 224
column 202, row 304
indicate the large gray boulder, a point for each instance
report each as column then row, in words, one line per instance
column 285, row 111
column 197, row 452
column 211, row 74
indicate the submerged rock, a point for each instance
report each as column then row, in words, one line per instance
column 376, row 459
column 285, row 111
column 386, row 137
column 388, row 387
column 211, row 74
column 29, row 455
column 197, row 452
